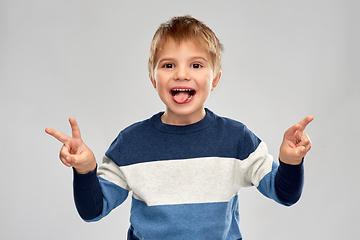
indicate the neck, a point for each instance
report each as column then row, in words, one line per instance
column 172, row 118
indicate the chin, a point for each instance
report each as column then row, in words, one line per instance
column 188, row 111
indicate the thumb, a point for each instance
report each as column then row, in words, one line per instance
column 67, row 161
column 72, row 159
column 300, row 151
column 65, row 156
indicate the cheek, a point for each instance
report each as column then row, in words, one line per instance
column 160, row 85
column 207, row 82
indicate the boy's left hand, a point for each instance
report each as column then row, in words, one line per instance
column 296, row 143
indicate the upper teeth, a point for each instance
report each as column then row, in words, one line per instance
column 182, row 90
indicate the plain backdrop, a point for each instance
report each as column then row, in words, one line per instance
column 283, row 60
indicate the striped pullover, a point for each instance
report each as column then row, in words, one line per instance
column 184, row 179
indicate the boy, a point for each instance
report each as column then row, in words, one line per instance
column 186, row 165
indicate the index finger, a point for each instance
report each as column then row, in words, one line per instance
column 58, row 135
column 303, row 123
column 74, row 128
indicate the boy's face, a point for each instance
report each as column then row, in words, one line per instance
column 183, row 78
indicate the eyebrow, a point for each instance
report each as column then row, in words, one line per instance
column 173, row 59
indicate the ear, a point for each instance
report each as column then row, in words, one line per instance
column 152, row 80
column 216, row 81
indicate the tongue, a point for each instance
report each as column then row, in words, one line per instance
column 181, row 97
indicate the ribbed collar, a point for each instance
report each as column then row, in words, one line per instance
column 202, row 124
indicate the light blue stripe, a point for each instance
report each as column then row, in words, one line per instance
column 113, row 197
column 267, row 184
column 216, row 221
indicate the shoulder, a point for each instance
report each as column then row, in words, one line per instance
column 231, row 125
column 142, row 126
column 131, row 140
column 247, row 141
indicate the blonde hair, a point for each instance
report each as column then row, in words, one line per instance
column 186, row 28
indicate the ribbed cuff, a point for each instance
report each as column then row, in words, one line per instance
column 289, row 182
column 291, row 172
column 85, row 180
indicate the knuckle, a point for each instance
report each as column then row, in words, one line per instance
column 74, row 160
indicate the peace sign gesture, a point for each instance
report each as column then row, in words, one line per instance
column 296, row 143
column 74, row 152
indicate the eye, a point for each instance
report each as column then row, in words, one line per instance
column 196, row 65
column 168, row 65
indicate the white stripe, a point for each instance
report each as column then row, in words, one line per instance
column 111, row 172
column 197, row 180
column 258, row 164
column 183, row 181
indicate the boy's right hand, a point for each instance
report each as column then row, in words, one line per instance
column 74, row 152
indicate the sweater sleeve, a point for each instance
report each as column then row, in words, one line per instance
column 88, row 195
column 289, row 181
column 283, row 183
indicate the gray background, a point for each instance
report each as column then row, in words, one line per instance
column 283, row 60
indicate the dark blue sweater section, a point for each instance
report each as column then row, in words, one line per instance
column 151, row 140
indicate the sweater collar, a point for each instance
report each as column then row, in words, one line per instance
column 200, row 125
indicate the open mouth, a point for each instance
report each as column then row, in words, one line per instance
column 182, row 95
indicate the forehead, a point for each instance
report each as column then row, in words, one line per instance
column 186, row 47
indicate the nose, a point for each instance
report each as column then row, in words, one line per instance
column 182, row 73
